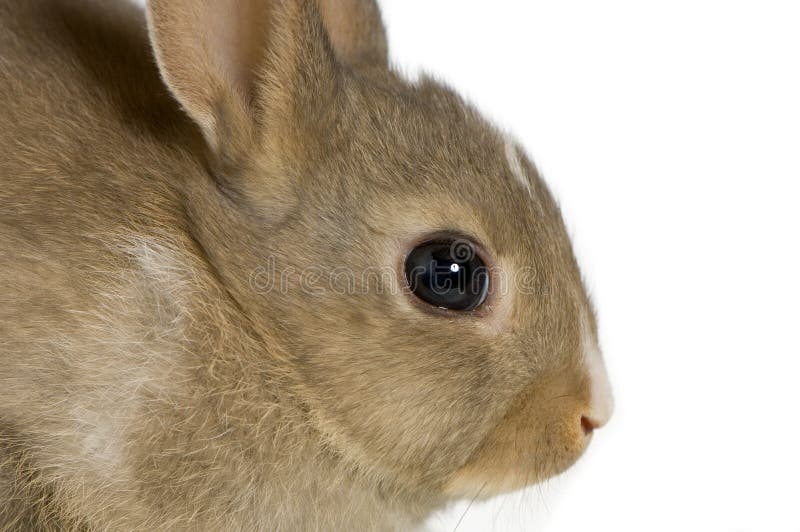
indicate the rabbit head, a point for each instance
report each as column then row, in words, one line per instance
column 330, row 179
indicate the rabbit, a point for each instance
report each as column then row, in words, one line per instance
column 255, row 279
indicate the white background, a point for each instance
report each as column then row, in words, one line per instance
column 670, row 132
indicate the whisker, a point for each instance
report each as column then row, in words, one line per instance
column 469, row 506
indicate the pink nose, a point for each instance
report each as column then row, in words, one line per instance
column 589, row 424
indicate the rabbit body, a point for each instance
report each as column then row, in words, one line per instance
column 148, row 381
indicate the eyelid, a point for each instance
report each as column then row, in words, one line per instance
column 448, row 235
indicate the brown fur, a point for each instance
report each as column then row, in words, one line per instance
column 147, row 383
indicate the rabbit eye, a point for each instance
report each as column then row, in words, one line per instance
column 448, row 274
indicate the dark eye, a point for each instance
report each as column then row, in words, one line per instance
column 448, row 274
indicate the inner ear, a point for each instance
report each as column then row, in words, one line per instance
column 208, row 52
column 257, row 76
column 356, row 31
column 237, row 41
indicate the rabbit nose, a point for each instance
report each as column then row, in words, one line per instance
column 601, row 401
column 600, row 407
column 589, row 424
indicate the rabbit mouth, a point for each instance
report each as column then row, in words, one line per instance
column 544, row 433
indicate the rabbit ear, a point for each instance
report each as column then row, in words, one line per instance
column 356, row 31
column 208, row 52
column 238, row 65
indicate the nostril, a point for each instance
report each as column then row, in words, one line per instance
column 588, row 425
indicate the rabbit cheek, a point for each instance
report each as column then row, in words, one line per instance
column 540, row 436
